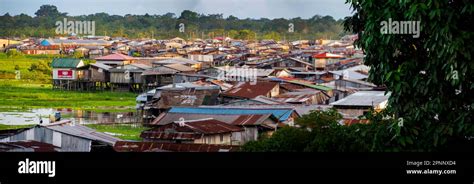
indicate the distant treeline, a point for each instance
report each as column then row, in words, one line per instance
column 166, row 26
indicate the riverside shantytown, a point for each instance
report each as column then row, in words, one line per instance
column 192, row 92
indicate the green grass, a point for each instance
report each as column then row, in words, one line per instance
column 19, row 95
column 34, row 89
column 9, row 127
column 124, row 131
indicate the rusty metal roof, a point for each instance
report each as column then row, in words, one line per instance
column 291, row 87
column 161, row 135
column 189, row 130
column 124, row 146
column 67, row 127
column 33, row 146
column 249, row 90
column 354, row 121
column 253, row 119
column 211, row 126
column 115, row 57
column 232, row 119
column 309, row 96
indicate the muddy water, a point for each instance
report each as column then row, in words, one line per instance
column 33, row 116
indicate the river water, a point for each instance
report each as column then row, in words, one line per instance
column 33, row 116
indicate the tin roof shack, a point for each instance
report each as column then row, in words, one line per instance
column 254, row 120
column 361, row 102
column 181, row 94
column 26, row 146
column 321, row 61
column 200, row 131
column 158, row 76
column 40, row 50
column 67, row 137
column 127, row 77
column 124, row 146
column 116, row 59
column 290, row 62
column 183, row 61
column 92, row 51
column 68, row 73
column 303, row 96
column 74, row 42
column 249, row 90
column 187, row 95
column 100, row 72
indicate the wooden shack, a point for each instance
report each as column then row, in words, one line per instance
column 67, row 72
column 127, row 77
column 66, row 136
column 100, row 75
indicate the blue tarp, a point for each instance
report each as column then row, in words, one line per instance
column 45, row 43
column 282, row 114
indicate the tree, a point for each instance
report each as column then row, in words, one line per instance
column 13, row 53
column 430, row 76
column 189, row 15
column 272, row 36
column 288, row 139
column 48, row 11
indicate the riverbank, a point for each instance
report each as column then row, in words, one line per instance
column 21, row 94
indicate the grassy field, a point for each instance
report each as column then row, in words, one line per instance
column 33, row 90
column 9, row 127
column 122, row 131
column 38, row 96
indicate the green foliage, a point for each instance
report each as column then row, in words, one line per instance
column 286, row 139
column 19, row 94
column 319, row 120
column 48, row 11
column 167, row 25
column 12, row 127
column 136, row 54
column 272, row 36
column 78, row 54
column 13, row 53
column 430, row 77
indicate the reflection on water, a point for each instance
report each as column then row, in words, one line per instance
column 33, row 116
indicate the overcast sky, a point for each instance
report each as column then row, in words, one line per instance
column 239, row 8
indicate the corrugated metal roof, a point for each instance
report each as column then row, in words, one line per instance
column 179, row 67
column 314, row 86
column 281, row 113
column 161, row 135
column 123, row 146
column 249, row 90
column 354, row 121
column 210, row 126
column 350, row 74
column 67, row 127
column 189, row 130
column 253, row 119
column 66, row 63
column 115, row 57
column 303, row 96
column 102, row 66
column 363, row 98
column 160, row 71
column 167, row 118
column 77, row 41
column 29, row 145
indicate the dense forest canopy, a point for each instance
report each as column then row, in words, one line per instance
column 167, row 25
